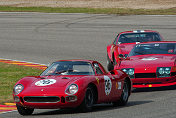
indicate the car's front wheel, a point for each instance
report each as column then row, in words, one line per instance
column 24, row 111
column 88, row 101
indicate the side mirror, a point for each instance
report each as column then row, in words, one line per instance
column 112, row 72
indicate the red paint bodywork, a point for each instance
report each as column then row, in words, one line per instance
column 150, row 66
column 58, row 89
column 114, row 49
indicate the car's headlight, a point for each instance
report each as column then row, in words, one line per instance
column 18, row 88
column 163, row 71
column 72, row 89
column 168, row 70
column 129, row 71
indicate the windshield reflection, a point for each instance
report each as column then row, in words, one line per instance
column 139, row 37
column 153, row 48
column 69, row 68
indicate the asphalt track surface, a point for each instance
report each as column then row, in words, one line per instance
column 47, row 37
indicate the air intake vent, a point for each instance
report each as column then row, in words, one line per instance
column 173, row 73
column 65, row 78
column 41, row 99
column 145, row 75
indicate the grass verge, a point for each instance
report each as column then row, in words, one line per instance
column 119, row 11
column 9, row 75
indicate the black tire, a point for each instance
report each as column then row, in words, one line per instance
column 114, row 60
column 110, row 65
column 88, row 101
column 124, row 96
column 24, row 111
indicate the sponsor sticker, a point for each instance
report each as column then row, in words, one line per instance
column 149, row 59
column 45, row 82
column 138, row 31
column 97, row 80
column 156, row 44
column 116, row 85
column 119, row 85
column 108, row 85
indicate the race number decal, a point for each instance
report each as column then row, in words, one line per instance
column 45, row 82
column 119, row 85
column 108, row 85
column 149, row 59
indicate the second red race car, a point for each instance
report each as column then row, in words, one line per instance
column 125, row 41
column 151, row 64
column 71, row 84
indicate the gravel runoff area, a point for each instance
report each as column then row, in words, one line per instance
column 135, row 4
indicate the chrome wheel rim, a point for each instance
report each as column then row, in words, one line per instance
column 89, row 98
column 125, row 92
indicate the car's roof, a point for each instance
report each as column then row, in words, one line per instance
column 137, row 31
column 82, row 60
column 158, row 42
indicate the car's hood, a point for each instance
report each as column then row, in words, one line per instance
column 47, row 85
column 126, row 47
column 54, row 81
column 149, row 61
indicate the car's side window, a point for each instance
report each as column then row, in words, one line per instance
column 97, row 69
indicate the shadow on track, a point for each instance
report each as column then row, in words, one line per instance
column 96, row 108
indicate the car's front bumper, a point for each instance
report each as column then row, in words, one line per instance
column 153, row 82
column 63, row 102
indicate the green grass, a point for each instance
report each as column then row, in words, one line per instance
column 119, row 11
column 9, row 75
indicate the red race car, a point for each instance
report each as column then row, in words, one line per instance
column 125, row 41
column 71, row 84
column 151, row 64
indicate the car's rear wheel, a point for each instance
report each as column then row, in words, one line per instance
column 88, row 101
column 124, row 96
column 24, row 111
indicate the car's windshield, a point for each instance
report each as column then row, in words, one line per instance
column 69, row 68
column 153, row 48
column 139, row 37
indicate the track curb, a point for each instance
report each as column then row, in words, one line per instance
column 10, row 107
column 24, row 63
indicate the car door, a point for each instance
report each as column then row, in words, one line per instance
column 117, row 85
column 105, row 83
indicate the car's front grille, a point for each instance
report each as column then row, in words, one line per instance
column 41, row 99
column 145, row 75
column 173, row 73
